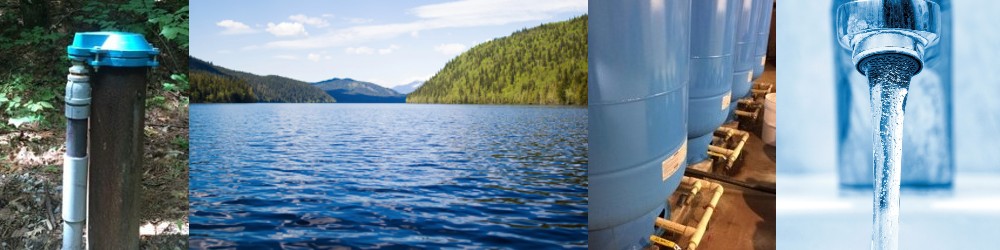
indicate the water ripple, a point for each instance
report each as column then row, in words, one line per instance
column 312, row 176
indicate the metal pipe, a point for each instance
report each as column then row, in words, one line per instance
column 75, row 160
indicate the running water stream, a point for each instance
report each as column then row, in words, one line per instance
column 889, row 79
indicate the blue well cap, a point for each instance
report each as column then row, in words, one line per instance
column 115, row 49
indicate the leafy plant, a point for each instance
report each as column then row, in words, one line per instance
column 181, row 142
column 173, row 26
column 180, row 84
column 23, row 102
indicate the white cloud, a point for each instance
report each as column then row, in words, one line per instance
column 360, row 50
column 365, row 50
column 388, row 50
column 286, row 29
column 495, row 12
column 451, row 48
column 225, row 51
column 462, row 13
column 287, row 57
column 314, row 21
column 233, row 27
column 356, row 20
column 313, row 57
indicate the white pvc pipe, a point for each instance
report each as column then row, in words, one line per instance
column 696, row 233
column 75, row 160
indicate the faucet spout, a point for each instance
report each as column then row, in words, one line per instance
column 877, row 27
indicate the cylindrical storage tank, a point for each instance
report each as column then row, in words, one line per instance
column 744, row 50
column 763, row 32
column 770, row 119
column 638, row 73
column 712, row 26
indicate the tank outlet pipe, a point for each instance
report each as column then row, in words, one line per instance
column 888, row 27
column 695, row 233
column 730, row 155
column 74, row 196
column 92, row 50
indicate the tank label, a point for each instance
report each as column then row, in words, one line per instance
column 726, row 99
column 673, row 163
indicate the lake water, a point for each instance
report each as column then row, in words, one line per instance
column 388, row 175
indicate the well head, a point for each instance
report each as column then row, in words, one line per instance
column 115, row 49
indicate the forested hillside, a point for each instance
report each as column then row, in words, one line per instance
column 212, row 88
column 265, row 88
column 541, row 65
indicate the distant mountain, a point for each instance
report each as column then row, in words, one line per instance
column 541, row 65
column 269, row 88
column 347, row 90
column 409, row 87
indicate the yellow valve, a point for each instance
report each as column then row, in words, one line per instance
column 664, row 242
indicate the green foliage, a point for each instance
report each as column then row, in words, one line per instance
column 210, row 88
column 139, row 16
column 181, row 142
column 180, row 84
column 21, row 102
column 53, row 169
column 33, row 40
column 263, row 88
column 542, row 65
column 156, row 101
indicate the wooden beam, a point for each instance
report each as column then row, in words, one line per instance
column 116, row 150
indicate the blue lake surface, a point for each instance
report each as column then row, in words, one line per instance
column 388, row 175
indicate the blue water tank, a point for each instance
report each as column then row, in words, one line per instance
column 763, row 33
column 638, row 76
column 744, row 49
column 712, row 33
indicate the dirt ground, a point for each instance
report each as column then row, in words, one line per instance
column 31, row 179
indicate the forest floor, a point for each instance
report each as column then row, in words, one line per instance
column 31, row 161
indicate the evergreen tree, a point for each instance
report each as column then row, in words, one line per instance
column 541, row 65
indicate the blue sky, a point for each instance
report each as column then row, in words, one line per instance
column 389, row 43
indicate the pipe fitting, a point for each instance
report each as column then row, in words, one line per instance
column 875, row 27
column 695, row 233
column 889, row 42
column 77, row 92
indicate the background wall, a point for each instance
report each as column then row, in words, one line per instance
column 807, row 119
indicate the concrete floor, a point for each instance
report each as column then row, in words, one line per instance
column 744, row 218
